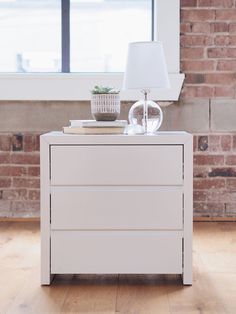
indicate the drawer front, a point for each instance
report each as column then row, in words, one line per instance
column 116, row 208
column 116, row 252
column 117, row 165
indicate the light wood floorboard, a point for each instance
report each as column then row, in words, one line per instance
column 213, row 290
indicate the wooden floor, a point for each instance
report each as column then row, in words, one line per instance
column 213, row 290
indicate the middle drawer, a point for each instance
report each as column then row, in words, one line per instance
column 87, row 208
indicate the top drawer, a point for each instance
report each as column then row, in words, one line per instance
column 117, row 165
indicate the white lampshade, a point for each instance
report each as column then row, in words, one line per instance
column 146, row 66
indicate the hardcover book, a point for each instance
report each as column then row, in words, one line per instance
column 93, row 130
column 98, row 124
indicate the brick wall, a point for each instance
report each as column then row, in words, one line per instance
column 208, row 48
column 214, row 175
column 19, row 175
column 207, row 108
column 208, row 58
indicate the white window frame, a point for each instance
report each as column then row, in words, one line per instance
column 77, row 86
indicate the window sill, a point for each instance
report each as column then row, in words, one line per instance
column 75, row 86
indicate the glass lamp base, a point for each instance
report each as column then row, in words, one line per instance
column 150, row 122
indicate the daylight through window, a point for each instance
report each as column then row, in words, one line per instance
column 31, row 34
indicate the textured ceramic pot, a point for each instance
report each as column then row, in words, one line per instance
column 105, row 107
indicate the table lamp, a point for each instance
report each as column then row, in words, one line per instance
column 145, row 69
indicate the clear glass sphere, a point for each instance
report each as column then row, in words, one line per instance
column 154, row 115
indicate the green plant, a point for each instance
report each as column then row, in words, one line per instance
column 104, row 90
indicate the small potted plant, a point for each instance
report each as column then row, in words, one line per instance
column 105, row 103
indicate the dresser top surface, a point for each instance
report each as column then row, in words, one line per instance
column 59, row 138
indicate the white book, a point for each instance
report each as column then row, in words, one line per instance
column 98, row 124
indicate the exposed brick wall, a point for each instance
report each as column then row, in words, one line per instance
column 19, row 175
column 208, row 58
column 215, row 175
column 208, row 48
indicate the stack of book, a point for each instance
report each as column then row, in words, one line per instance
column 95, row 127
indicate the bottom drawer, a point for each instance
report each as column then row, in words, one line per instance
column 110, row 252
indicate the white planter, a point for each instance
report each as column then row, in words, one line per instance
column 105, row 107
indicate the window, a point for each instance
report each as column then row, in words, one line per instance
column 101, row 31
column 59, row 49
column 30, row 35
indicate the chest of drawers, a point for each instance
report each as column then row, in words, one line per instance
column 116, row 204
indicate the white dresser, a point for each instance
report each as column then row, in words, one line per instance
column 116, row 204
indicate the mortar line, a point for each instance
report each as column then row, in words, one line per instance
column 209, row 115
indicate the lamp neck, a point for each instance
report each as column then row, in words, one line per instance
column 145, row 92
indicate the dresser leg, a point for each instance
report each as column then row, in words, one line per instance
column 187, row 279
column 187, row 275
column 46, row 280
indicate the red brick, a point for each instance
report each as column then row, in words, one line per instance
column 222, row 172
column 191, row 91
column 225, row 91
column 31, row 143
column 200, row 172
column 216, row 3
column 195, row 40
column 211, row 160
column 214, row 143
column 231, row 160
column 197, row 15
column 226, row 14
column 5, row 182
column 185, row 28
column 226, row 65
column 192, row 53
column 211, row 78
column 219, row 27
column 202, row 28
column 201, row 214
column 221, row 52
column 27, row 207
column 12, row 171
column 197, row 65
column 37, row 142
column 188, row 3
column 33, row 171
column 26, row 183
column 234, row 142
column 219, row 78
column 34, row 195
column 4, row 158
column 19, row 194
column 209, row 207
column 205, row 184
column 25, row 158
column 232, row 27
column 5, row 142
column 231, row 184
column 224, row 40
column 217, row 52
column 194, row 78
column 5, row 208
column 199, row 196
column 230, row 209
column 217, row 196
